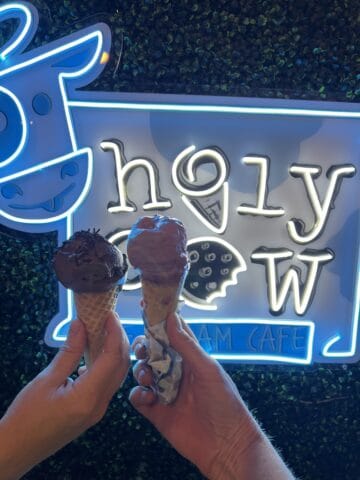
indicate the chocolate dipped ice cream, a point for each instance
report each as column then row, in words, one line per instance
column 95, row 270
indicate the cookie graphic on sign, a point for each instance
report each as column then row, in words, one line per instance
column 214, row 265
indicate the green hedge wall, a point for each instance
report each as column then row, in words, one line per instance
column 271, row 48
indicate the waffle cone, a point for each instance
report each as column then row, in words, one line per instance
column 92, row 309
column 159, row 300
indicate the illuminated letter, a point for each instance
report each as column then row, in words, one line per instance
column 123, row 170
column 209, row 201
column 278, row 290
column 296, row 337
column 223, row 337
column 308, row 173
column 267, row 338
column 204, row 338
column 261, row 208
column 281, row 336
column 250, row 343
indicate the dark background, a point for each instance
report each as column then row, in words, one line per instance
column 272, row 48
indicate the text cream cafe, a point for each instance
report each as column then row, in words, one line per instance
column 267, row 190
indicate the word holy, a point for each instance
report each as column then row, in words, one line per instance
column 184, row 178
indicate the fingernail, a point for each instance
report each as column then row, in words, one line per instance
column 141, row 375
column 138, row 347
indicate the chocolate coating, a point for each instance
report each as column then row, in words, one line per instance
column 87, row 262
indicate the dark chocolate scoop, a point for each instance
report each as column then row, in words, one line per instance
column 87, row 262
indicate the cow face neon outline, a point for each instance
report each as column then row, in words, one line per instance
column 69, row 168
column 67, row 65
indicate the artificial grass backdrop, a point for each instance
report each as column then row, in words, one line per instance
column 273, row 48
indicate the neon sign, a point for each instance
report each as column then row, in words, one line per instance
column 267, row 189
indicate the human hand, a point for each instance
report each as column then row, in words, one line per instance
column 52, row 410
column 208, row 423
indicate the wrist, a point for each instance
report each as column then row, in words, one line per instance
column 7, row 456
column 231, row 463
column 250, row 455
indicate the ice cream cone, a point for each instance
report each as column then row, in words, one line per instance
column 160, row 299
column 157, row 248
column 92, row 309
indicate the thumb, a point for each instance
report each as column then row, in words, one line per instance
column 184, row 342
column 145, row 401
column 69, row 355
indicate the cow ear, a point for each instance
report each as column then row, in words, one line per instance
column 86, row 54
column 28, row 20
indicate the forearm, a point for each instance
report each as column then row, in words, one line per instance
column 23, row 444
column 13, row 459
column 250, row 456
column 10, row 470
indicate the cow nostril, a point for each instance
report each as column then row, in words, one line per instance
column 10, row 191
column 69, row 169
column 3, row 121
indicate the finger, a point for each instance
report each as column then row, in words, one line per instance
column 141, row 398
column 140, row 339
column 69, row 355
column 187, row 329
column 68, row 382
column 143, row 374
column 139, row 347
column 145, row 401
column 110, row 368
column 186, row 345
column 82, row 370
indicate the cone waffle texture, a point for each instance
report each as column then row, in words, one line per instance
column 92, row 309
column 160, row 299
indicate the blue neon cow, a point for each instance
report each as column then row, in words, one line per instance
column 37, row 138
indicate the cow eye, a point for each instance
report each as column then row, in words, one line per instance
column 10, row 190
column 42, row 104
